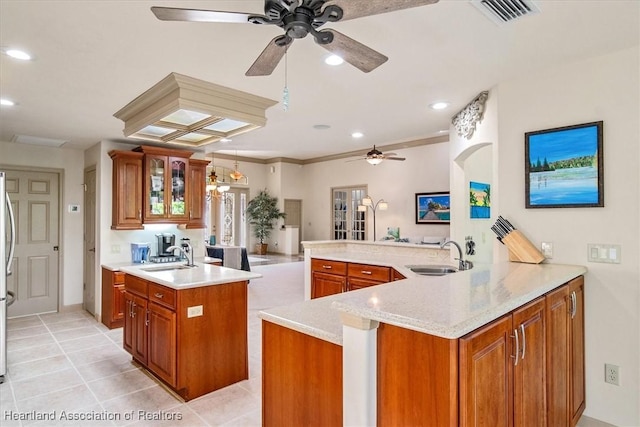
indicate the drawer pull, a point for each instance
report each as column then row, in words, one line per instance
column 328, row 267
column 366, row 272
column 158, row 295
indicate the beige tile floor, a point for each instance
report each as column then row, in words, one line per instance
column 67, row 364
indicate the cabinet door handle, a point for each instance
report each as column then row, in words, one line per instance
column 146, row 318
column 515, row 331
column 133, row 309
column 190, row 214
column 327, row 267
column 574, row 304
column 159, row 295
column 139, row 213
column 366, row 272
column 524, row 341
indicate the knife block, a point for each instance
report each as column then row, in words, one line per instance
column 521, row 249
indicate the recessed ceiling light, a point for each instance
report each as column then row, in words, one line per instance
column 7, row 102
column 333, row 60
column 357, row 135
column 439, row 105
column 443, row 131
column 225, row 140
column 18, row 54
column 321, row 127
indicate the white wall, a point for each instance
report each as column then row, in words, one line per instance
column 425, row 169
column 604, row 88
column 71, row 233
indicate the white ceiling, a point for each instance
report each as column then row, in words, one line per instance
column 93, row 57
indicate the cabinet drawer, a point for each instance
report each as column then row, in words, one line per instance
column 326, row 266
column 136, row 285
column 162, row 295
column 370, row 272
column 118, row 278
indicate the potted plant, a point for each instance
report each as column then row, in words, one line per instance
column 262, row 211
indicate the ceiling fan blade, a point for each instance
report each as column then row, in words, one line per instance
column 270, row 57
column 358, row 8
column 198, row 15
column 355, row 53
column 402, row 159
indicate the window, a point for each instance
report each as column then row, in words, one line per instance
column 347, row 222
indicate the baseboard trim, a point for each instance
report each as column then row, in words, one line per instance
column 70, row 308
column 592, row 422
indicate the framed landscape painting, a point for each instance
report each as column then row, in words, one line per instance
column 564, row 167
column 433, row 208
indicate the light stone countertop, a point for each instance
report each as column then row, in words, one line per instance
column 445, row 306
column 194, row 277
column 116, row 266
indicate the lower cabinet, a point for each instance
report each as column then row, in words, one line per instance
column 523, row 369
column 333, row 277
column 565, row 355
column 194, row 340
column 502, row 370
column 113, row 305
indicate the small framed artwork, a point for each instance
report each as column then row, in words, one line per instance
column 433, row 208
column 479, row 200
column 564, row 167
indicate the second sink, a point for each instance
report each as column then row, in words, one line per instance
column 432, row 270
column 165, row 268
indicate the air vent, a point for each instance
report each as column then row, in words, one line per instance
column 503, row 11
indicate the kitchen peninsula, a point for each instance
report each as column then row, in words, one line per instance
column 188, row 325
column 429, row 350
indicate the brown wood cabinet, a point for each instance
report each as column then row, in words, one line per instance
column 502, row 370
column 197, row 193
column 330, row 277
column 565, row 353
column 425, row 380
column 301, row 379
column 126, row 206
column 194, row 340
column 113, row 305
column 157, row 185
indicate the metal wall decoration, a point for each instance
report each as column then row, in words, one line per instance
column 465, row 121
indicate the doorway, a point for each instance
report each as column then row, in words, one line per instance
column 35, row 198
column 89, row 282
column 229, row 222
column 347, row 221
column 293, row 217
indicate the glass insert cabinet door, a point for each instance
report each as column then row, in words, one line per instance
column 156, row 187
column 178, row 188
column 347, row 222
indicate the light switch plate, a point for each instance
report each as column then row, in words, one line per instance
column 606, row 253
column 547, row 249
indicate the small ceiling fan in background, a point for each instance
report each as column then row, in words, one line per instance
column 298, row 18
column 376, row 157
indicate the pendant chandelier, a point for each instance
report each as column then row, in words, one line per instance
column 236, row 174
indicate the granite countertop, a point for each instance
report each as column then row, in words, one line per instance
column 116, row 266
column 194, row 277
column 445, row 306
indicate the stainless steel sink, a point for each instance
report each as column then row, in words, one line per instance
column 432, row 270
column 165, row 268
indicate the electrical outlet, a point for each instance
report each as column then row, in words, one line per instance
column 611, row 374
column 115, row 249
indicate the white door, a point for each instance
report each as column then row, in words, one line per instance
column 232, row 223
column 293, row 218
column 35, row 199
column 347, row 221
column 89, row 293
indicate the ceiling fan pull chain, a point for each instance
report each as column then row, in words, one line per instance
column 285, row 91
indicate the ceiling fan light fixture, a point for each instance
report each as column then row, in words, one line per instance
column 334, row 60
column 374, row 160
column 183, row 110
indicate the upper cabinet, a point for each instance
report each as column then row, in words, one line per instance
column 169, row 191
column 127, row 190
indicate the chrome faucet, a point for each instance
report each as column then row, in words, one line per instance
column 462, row 264
column 185, row 252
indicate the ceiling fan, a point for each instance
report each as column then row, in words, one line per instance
column 298, row 18
column 376, row 157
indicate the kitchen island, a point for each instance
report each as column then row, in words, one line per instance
column 188, row 326
column 431, row 350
